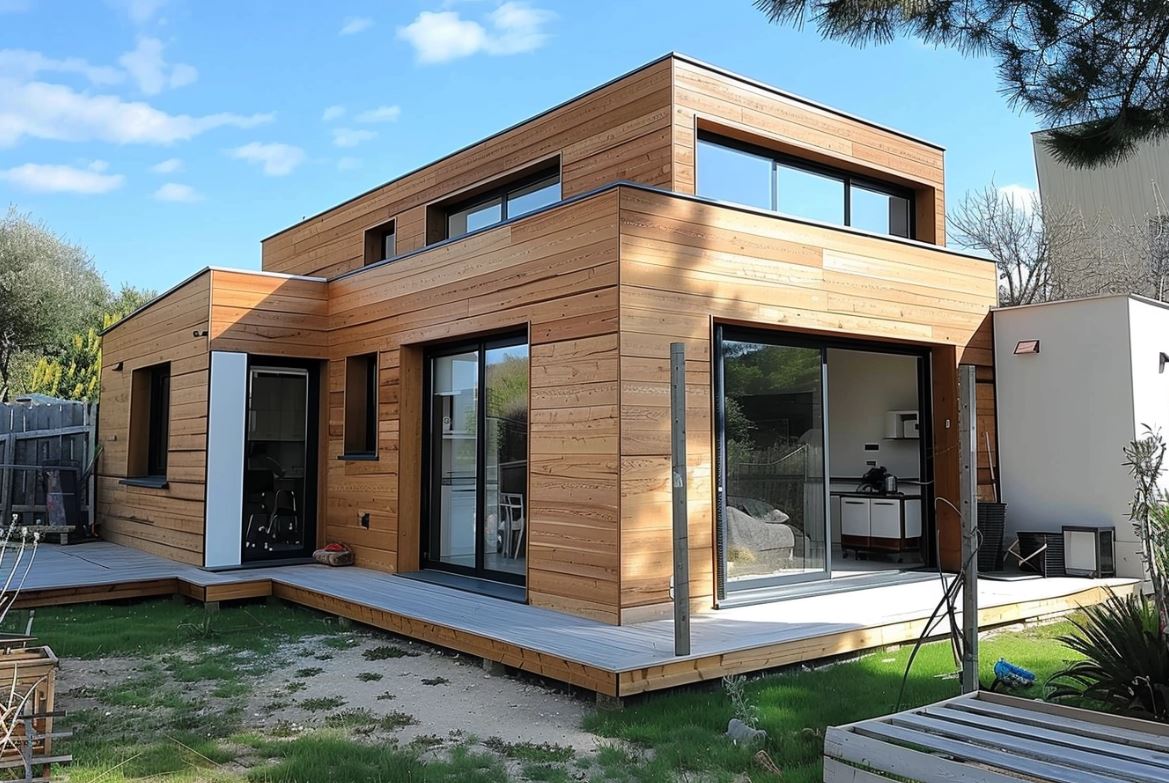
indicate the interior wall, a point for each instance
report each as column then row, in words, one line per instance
column 862, row 387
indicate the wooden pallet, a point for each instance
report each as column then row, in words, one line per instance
column 989, row 738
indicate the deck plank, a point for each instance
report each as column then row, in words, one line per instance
column 743, row 638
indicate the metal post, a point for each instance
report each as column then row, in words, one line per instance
column 678, row 499
column 968, row 488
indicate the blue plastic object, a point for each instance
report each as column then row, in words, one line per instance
column 1012, row 675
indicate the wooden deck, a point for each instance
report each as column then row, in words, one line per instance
column 608, row 659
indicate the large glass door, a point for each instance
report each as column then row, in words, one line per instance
column 279, row 464
column 477, row 459
column 773, row 500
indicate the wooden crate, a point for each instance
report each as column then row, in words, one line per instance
column 989, row 738
column 30, row 751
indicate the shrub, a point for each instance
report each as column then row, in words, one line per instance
column 1126, row 660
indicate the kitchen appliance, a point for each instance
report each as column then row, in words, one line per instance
column 890, row 487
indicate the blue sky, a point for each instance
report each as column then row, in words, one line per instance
column 169, row 135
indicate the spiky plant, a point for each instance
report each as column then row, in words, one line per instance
column 1125, row 666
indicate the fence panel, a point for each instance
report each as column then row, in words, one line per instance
column 46, row 449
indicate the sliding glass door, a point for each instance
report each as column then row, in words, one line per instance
column 477, row 459
column 772, row 504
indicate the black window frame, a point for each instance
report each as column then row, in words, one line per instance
column 500, row 192
column 367, row 448
column 847, row 178
column 375, row 242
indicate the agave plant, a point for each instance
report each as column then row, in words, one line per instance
column 1126, row 660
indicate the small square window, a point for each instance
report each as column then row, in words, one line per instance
column 380, row 243
column 149, row 421
column 361, row 405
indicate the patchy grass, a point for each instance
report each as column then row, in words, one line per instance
column 308, row 671
column 540, row 753
column 387, row 651
column 682, row 731
column 93, row 631
column 325, row 756
column 440, row 680
column 369, row 676
column 322, row 703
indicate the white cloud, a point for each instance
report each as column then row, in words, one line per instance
column 24, row 65
column 276, row 160
column 355, row 24
column 348, row 164
column 380, row 114
column 46, row 178
column 441, row 36
column 173, row 191
column 59, row 113
column 518, row 28
column 139, row 11
column 1020, row 196
column 168, row 166
column 150, row 70
column 98, row 166
column 333, row 113
column 351, row 137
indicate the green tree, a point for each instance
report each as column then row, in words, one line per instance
column 1096, row 70
column 49, row 290
column 74, row 372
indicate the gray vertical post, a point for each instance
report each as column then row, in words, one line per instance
column 968, row 457
column 678, row 499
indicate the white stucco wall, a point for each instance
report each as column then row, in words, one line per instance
column 1148, row 338
column 1066, row 414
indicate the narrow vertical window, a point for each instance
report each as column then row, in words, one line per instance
column 361, row 406
column 149, row 422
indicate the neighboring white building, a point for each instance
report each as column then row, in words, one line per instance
column 1066, row 413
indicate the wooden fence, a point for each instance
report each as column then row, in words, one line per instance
column 46, row 455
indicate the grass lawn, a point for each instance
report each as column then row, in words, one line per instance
column 181, row 713
column 683, row 730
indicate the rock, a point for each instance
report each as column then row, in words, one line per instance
column 742, row 734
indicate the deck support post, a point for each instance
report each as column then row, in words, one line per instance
column 968, row 460
column 494, row 668
column 607, row 703
column 678, row 499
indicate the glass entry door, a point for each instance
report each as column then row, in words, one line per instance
column 279, row 465
column 477, row 459
column 772, row 493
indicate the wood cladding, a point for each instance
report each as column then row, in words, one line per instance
column 639, row 128
column 554, row 274
column 685, row 265
column 167, row 521
column 603, row 283
column 621, row 131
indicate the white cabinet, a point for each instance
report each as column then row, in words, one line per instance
column 854, row 516
column 890, row 524
column 912, row 517
column 885, row 518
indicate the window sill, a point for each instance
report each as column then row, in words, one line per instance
column 150, row 482
column 358, row 458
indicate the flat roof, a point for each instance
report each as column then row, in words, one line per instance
column 669, row 55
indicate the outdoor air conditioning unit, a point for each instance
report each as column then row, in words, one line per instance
column 1088, row 551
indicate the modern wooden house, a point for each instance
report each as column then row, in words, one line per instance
column 463, row 373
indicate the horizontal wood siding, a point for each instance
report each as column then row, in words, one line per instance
column 738, row 107
column 167, row 521
column 621, row 131
column 269, row 315
column 686, row 264
column 554, row 275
